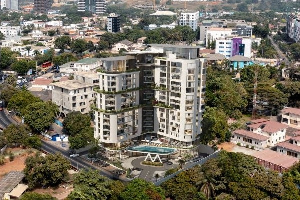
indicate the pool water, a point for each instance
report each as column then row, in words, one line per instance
column 152, row 149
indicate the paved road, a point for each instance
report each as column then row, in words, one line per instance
column 5, row 120
column 279, row 52
column 76, row 162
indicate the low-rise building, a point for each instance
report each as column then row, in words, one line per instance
column 73, row 95
column 86, row 64
column 291, row 116
column 290, row 147
column 250, row 139
column 124, row 44
column 274, row 130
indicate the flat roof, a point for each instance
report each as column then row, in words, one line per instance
column 276, row 158
column 88, row 60
column 87, row 74
column 18, row 191
column 163, row 13
column 114, row 58
column 71, row 84
column 10, row 181
column 175, row 46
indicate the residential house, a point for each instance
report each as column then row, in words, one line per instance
column 86, row 64
column 274, row 130
column 291, row 116
column 73, row 95
column 290, row 147
column 249, row 139
column 124, row 44
column 239, row 62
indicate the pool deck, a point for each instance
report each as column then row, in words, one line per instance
column 150, row 149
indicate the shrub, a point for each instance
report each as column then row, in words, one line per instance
column 239, row 144
column 152, row 163
column 11, row 156
column 252, row 147
column 247, row 146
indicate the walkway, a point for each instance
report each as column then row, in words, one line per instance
column 148, row 171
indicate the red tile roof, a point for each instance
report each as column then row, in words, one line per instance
column 296, row 138
column 269, row 126
column 42, row 81
column 250, row 134
column 295, row 111
column 288, row 145
column 255, row 121
column 276, row 158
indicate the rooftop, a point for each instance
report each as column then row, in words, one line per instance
column 10, row 181
column 92, row 75
column 71, row 84
column 251, row 135
column 163, row 13
column 239, row 58
column 255, row 121
column 288, row 145
column 114, row 58
column 276, row 158
column 216, row 56
column 174, row 46
column 88, row 60
column 219, row 29
column 42, row 81
column 269, row 126
column 295, row 111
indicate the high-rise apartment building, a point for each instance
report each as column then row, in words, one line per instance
column 113, row 23
column 10, row 4
column 42, row 6
column 157, row 92
column 189, row 19
column 94, row 6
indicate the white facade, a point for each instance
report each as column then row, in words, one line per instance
column 10, row 4
column 72, row 95
column 54, row 23
column 9, row 31
column 189, row 19
column 216, row 33
column 225, row 47
column 291, row 116
column 86, row 65
column 157, row 92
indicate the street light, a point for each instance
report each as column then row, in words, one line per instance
column 62, row 137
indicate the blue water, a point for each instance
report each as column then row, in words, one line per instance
column 151, row 149
column 59, row 123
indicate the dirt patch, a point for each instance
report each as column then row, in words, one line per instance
column 227, row 146
column 60, row 192
column 18, row 164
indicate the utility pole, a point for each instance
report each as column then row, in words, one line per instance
column 254, row 93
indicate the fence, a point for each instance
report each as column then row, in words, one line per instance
column 188, row 166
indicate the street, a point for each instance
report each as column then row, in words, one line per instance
column 280, row 54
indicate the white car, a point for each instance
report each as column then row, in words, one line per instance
column 74, row 155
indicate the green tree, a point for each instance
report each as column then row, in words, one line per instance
column 242, row 7
column 295, row 50
column 90, row 185
column 16, row 134
column 64, row 58
column 47, row 56
column 224, row 93
column 36, row 196
column 46, row 171
column 75, row 122
column 7, row 57
column 33, row 142
column 21, row 100
column 62, row 42
column 22, row 66
column 78, row 46
column 214, row 125
column 82, row 139
column 7, row 91
column 40, row 115
column 51, row 33
column 141, row 189
column 102, row 45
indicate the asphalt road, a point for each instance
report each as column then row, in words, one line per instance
column 280, row 53
column 4, row 120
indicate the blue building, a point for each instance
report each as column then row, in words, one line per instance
column 239, row 62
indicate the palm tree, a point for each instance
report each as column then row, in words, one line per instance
column 207, row 188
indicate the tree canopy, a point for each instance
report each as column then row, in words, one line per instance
column 22, row 66
column 16, row 134
column 36, row 196
column 75, row 122
column 50, row 170
column 40, row 115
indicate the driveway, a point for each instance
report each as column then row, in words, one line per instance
column 148, row 171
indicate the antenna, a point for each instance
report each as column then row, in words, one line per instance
column 153, row 4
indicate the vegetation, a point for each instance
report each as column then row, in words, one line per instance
column 36, row 196
column 16, row 134
column 42, row 171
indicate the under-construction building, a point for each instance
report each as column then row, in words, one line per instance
column 42, row 6
column 94, row 6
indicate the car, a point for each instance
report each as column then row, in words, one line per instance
column 74, row 155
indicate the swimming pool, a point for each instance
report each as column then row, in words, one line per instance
column 152, row 149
